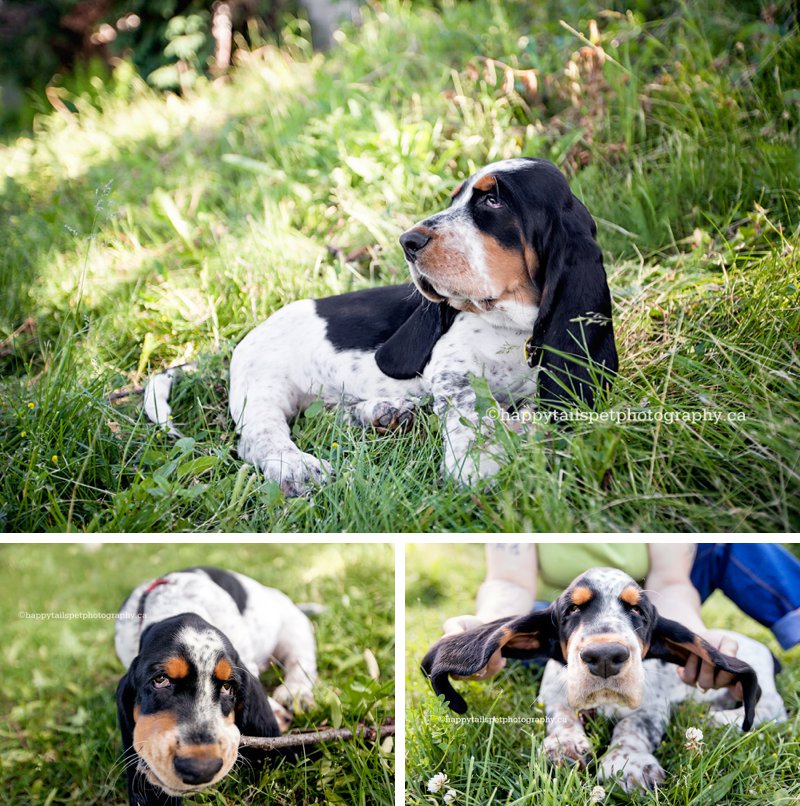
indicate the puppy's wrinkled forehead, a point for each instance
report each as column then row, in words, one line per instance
column 603, row 586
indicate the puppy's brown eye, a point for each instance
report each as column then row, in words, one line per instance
column 162, row 681
column 492, row 201
column 573, row 609
column 226, row 688
column 637, row 611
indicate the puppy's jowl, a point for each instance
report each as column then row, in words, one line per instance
column 508, row 285
column 193, row 643
column 607, row 648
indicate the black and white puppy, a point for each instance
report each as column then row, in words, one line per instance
column 508, row 285
column 193, row 643
column 608, row 649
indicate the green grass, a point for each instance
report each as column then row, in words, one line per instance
column 144, row 231
column 494, row 763
column 59, row 741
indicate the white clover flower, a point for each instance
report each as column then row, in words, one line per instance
column 438, row 782
column 694, row 740
column 451, row 796
column 597, row 795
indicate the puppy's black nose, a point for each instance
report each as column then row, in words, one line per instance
column 197, row 769
column 413, row 241
column 605, row 660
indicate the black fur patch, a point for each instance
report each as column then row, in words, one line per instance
column 395, row 322
column 363, row 320
column 228, row 582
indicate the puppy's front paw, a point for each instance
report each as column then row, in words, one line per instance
column 282, row 715
column 294, row 698
column 296, row 473
column 567, row 748
column 631, row 769
column 473, row 470
column 383, row 415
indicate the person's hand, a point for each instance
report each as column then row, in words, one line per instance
column 705, row 675
column 459, row 624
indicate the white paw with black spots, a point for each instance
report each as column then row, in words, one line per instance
column 296, row 473
column 567, row 749
column 472, row 471
column 631, row 770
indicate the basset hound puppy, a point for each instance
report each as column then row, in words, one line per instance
column 193, row 643
column 607, row 648
column 508, row 285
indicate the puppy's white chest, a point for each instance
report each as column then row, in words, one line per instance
column 473, row 345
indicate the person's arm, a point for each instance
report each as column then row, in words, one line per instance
column 669, row 586
column 509, row 589
column 670, row 589
column 510, row 585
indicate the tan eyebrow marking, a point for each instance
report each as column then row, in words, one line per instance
column 223, row 670
column 581, row 595
column 456, row 190
column 630, row 595
column 487, row 182
column 176, row 668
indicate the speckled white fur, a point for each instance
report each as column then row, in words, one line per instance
column 203, row 650
column 270, row 628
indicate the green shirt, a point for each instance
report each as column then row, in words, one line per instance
column 560, row 563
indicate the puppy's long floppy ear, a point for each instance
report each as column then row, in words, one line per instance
column 405, row 354
column 126, row 699
column 533, row 635
column 675, row 643
column 573, row 339
column 253, row 714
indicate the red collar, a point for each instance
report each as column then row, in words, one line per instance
column 143, row 598
column 155, row 584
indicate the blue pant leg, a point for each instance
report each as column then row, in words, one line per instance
column 762, row 579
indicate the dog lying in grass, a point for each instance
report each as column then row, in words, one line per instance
column 193, row 643
column 508, row 285
column 607, row 648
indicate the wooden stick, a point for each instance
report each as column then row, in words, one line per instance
column 315, row 737
column 137, row 390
